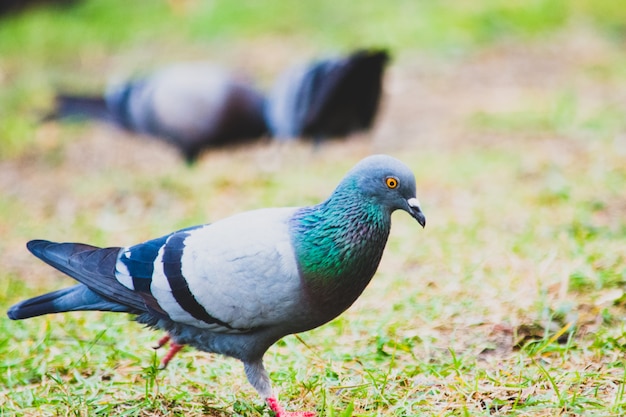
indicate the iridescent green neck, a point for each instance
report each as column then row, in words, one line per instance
column 342, row 238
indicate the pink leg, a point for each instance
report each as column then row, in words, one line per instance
column 174, row 348
column 280, row 411
column 162, row 342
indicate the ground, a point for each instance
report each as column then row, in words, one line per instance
column 509, row 302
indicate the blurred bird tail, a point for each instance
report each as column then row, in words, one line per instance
column 79, row 108
column 76, row 298
column 346, row 95
column 327, row 97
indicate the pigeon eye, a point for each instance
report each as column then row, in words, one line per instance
column 391, row 182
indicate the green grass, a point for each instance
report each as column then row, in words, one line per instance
column 510, row 302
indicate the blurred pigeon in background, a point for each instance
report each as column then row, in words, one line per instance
column 197, row 106
column 238, row 285
column 327, row 98
column 192, row 106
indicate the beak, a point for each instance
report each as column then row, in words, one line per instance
column 415, row 211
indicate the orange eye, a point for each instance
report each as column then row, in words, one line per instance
column 391, row 182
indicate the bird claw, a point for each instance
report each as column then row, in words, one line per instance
column 162, row 342
column 174, row 348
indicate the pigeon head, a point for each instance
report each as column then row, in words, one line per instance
column 386, row 182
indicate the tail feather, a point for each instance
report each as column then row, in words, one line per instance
column 91, row 266
column 329, row 97
column 348, row 93
column 80, row 108
column 76, row 298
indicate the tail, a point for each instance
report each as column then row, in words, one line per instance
column 347, row 94
column 328, row 97
column 76, row 298
column 94, row 268
column 79, row 108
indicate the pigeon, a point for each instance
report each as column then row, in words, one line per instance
column 192, row 106
column 330, row 97
column 238, row 285
column 195, row 106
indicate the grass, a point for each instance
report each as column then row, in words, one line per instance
column 510, row 302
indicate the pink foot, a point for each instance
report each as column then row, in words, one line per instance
column 162, row 342
column 280, row 411
column 174, row 348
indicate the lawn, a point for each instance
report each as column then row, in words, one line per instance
column 509, row 303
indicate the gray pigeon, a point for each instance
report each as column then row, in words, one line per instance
column 238, row 285
column 331, row 97
column 196, row 106
column 193, row 106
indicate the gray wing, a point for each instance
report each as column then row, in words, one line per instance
column 231, row 276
